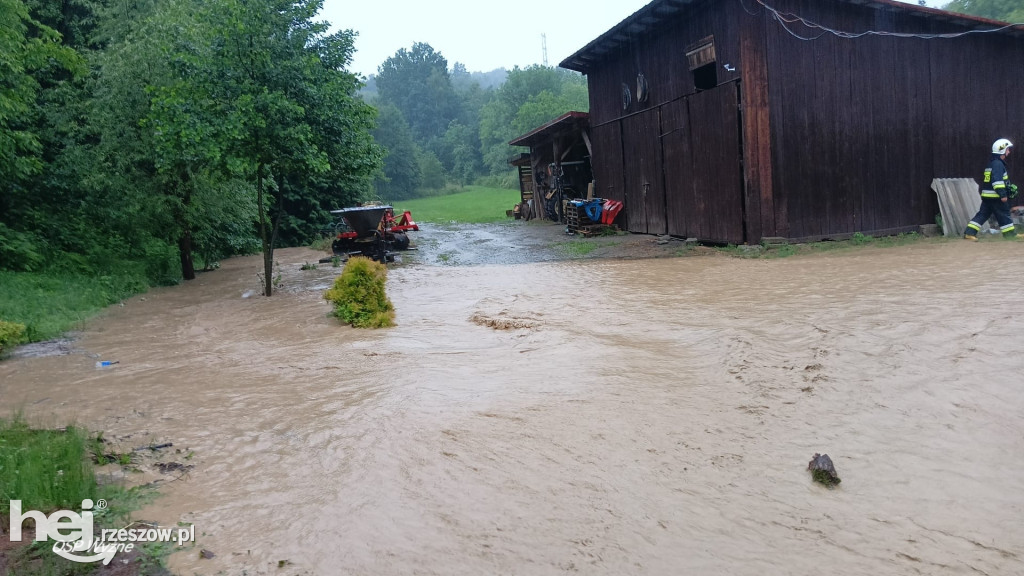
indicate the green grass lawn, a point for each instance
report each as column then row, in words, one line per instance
column 48, row 303
column 473, row 205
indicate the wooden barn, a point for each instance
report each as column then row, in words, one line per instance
column 738, row 120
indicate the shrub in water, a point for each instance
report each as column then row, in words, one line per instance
column 11, row 334
column 358, row 295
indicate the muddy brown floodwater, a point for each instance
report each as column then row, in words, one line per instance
column 591, row 416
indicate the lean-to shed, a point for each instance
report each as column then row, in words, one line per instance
column 737, row 120
column 557, row 167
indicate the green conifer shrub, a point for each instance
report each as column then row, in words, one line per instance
column 358, row 295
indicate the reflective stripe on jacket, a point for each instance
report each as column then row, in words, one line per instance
column 995, row 183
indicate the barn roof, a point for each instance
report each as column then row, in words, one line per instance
column 567, row 121
column 651, row 15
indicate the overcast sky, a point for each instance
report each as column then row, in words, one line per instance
column 481, row 34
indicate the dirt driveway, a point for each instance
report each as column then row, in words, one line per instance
column 519, row 242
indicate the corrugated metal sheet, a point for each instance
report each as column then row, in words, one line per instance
column 959, row 201
column 566, row 123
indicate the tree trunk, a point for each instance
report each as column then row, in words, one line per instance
column 268, row 253
column 188, row 270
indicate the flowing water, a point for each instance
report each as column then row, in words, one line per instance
column 592, row 417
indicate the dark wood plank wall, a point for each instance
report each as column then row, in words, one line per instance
column 661, row 56
column 860, row 127
column 681, row 218
column 1014, row 95
column 635, row 206
column 642, row 167
column 606, row 141
column 716, row 176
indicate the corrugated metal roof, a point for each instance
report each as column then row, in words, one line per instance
column 654, row 13
column 959, row 201
column 521, row 159
column 565, row 121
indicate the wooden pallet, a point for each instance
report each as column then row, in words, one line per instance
column 596, row 229
column 573, row 218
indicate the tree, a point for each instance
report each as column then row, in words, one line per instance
column 462, row 150
column 184, row 118
column 416, row 81
column 342, row 126
column 547, row 106
column 125, row 190
column 30, row 51
column 430, row 169
column 528, row 98
column 154, row 65
column 27, row 47
column 1003, row 10
column 401, row 175
column 288, row 106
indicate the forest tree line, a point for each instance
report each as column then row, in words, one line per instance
column 137, row 135
column 440, row 127
column 143, row 139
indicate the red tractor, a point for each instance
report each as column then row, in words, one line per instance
column 372, row 231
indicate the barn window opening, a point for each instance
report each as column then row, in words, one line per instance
column 701, row 58
column 705, row 77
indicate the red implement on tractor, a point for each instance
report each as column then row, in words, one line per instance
column 372, row 231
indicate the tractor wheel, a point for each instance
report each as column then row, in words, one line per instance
column 401, row 241
column 380, row 249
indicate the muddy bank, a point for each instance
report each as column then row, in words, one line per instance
column 603, row 416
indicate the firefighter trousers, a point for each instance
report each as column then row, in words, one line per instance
column 990, row 207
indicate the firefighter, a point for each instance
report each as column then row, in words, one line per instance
column 996, row 191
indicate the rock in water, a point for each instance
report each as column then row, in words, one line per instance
column 822, row 470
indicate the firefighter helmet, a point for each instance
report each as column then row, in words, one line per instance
column 1001, row 146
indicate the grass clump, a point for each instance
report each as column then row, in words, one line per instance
column 45, row 469
column 358, row 295
column 322, row 243
column 825, row 478
column 11, row 334
column 50, row 470
column 578, row 248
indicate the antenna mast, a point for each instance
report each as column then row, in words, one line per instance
column 544, row 46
